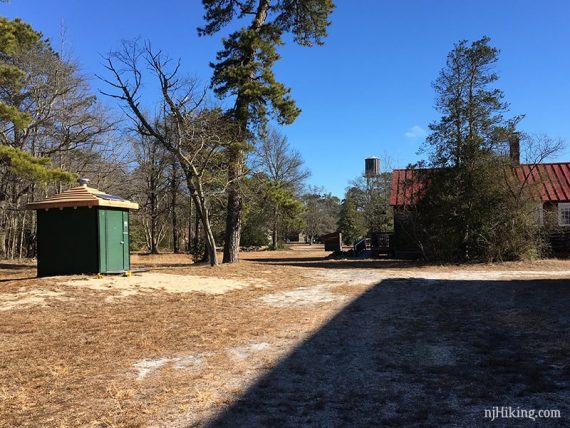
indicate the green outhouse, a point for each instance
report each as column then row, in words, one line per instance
column 82, row 231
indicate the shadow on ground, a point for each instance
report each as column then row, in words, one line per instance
column 321, row 262
column 17, row 266
column 417, row 353
column 26, row 278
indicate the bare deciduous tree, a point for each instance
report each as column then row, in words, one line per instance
column 194, row 134
column 285, row 175
column 152, row 182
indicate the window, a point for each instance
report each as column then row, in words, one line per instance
column 564, row 214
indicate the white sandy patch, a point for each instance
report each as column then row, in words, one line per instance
column 301, row 296
column 26, row 298
column 148, row 282
column 146, row 367
column 119, row 287
column 150, row 365
column 368, row 277
column 244, row 352
column 188, row 361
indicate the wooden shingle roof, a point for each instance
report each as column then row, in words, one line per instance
column 550, row 182
column 82, row 196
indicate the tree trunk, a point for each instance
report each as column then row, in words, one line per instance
column 3, row 226
column 190, row 224
column 173, row 203
column 197, row 193
column 153, row 241
column 2, row 243
column 208, row 235
column 233, row 216
column 153, row 248
column 21, row 243
column 196, row 227
column 274, row 233
column 209, row 251
column 233, row 227
column 14, row 236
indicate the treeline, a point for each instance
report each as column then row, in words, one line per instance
column 365, row 209
column 52, row 130
column 207, row 176
column 190, row 163
column 277, row 202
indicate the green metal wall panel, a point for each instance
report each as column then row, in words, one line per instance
column 102, row 234
column 82, row 241
column 114, row 240
column 126, row 243
column 67, row 241
column 114, row 230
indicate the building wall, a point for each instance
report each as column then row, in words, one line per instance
column 402, row 245
column 67, row 241
column 558, row 237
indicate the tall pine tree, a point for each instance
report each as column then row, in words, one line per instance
column 244, row 70
column 15, row 37
column 468, row 211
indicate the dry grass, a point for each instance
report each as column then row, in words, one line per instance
column 72, row 361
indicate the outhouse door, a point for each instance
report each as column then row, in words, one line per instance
column 114, row 226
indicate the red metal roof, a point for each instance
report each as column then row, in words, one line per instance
column 407, row 185
column 551, row 182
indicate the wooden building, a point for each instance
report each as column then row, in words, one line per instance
column 549, row 182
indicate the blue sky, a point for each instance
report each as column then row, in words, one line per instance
column 367, row 91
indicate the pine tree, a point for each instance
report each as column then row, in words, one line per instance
column 351, row 221
column 20, row 170
column 472, row 109
column 17, row 36
column 244, row 70
column 468, row 211
column 33, row 168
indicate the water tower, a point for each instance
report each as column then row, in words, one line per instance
column 371, row 171
column 371, row 167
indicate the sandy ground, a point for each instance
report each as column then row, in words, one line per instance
column 283, row 338
column 117, row 287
